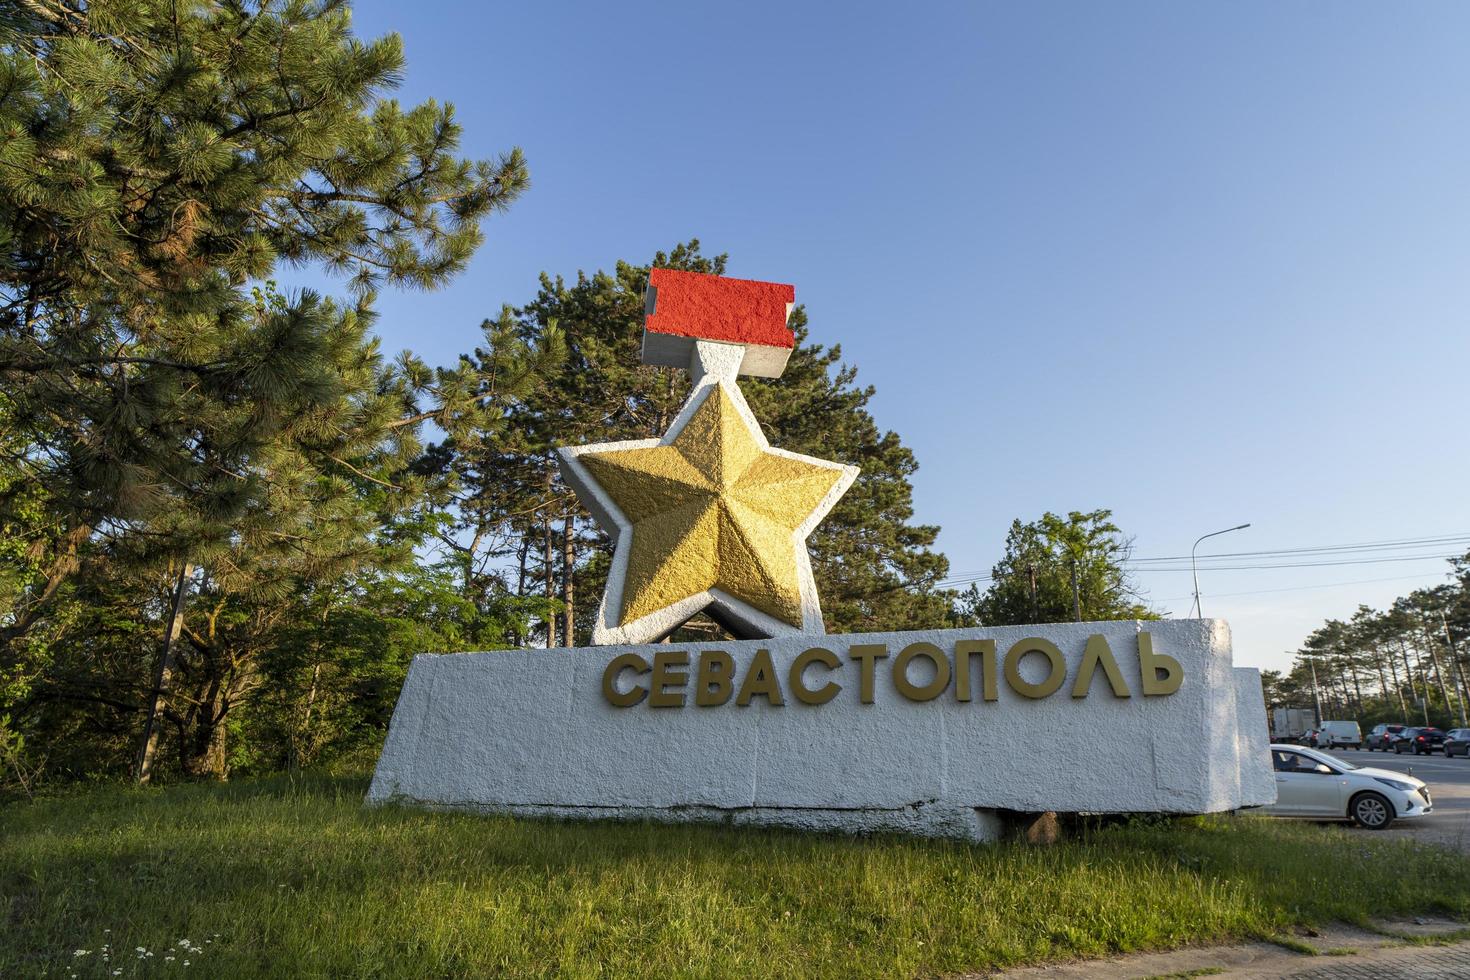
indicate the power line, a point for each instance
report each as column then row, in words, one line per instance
column 1338, row 548
column 1139, row 564
column 1300, row 588
column 1307, row 564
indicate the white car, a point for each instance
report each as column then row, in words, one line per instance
column 1314, row 785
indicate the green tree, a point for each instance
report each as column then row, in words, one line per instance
column 1406, row 663
column 156, row 158
column 874, row 568
column 1032, row 582
column 197, row 430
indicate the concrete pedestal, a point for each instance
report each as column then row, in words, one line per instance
column 533, row 732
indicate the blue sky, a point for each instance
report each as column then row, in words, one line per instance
column 1202, row 264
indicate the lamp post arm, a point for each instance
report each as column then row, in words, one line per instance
column 1194, row 568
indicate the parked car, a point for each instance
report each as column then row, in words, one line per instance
column 1420, row 741
column 1457, row 742
column 1334, row 734
column 1383, row 736
column 1312, row 784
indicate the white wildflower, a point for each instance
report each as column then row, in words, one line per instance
column 81, row 952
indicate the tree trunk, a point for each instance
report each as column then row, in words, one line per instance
column 1426, row 642
column 203, row 749
column 1408, row 670
column 1439, row 677
column 523, row 551
column 1357, row 686
column 568, row 587
column 61, row 569
column 299, row 750
column 550, row 579
column 1398, row 689
column 158, row 699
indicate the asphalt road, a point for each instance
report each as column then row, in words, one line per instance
column 1449, row 785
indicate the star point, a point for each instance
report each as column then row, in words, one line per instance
column 713, row 511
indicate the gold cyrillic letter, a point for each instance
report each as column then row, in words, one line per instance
column 1098, row 652
column 714, row 687
column 822, row 694
column 935, row 687
column 628, row 661
column 962, row 651
column 1149, row 665
column 867, row 654
column 1054, row 678
column 662, row 676
column 761, row 680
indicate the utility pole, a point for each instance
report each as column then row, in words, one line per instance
column 1031, row 573
column 1316, row 695
column 1076, row 596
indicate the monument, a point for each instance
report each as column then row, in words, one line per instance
column 936, row 732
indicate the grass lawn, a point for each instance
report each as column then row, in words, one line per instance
column 288, row 878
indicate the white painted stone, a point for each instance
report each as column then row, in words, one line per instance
column 1257, row 782
column 672, row 350
column 528, row 731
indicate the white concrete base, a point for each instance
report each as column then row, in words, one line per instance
column 1257, row 783
column 530, row 732
column 921, row 819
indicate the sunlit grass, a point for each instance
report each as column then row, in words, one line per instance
column 296, row 878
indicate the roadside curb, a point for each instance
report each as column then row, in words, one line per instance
column 1412, row 950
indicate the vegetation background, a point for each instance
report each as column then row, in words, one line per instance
column 227, row 521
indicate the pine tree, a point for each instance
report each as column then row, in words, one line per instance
column 157, row 162
column 874, row 568
column 156, row 158
column 1033, row 581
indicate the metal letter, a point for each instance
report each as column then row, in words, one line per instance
column 761, row 680
column 658, row 697
column 822, row 694
column 962, row 651
column 1054, row 678
column 628, row 661
column 714, row 687
column 1098, row 652
column 1149, row 665
column 867, row 653
column 935, row 687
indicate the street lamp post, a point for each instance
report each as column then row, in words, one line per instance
column 1199, row 610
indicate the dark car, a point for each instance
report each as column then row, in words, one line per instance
column 1383, row 737
column 1457, row 742
column 1420, row 741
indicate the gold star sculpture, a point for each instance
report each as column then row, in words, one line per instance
column 708, row 519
